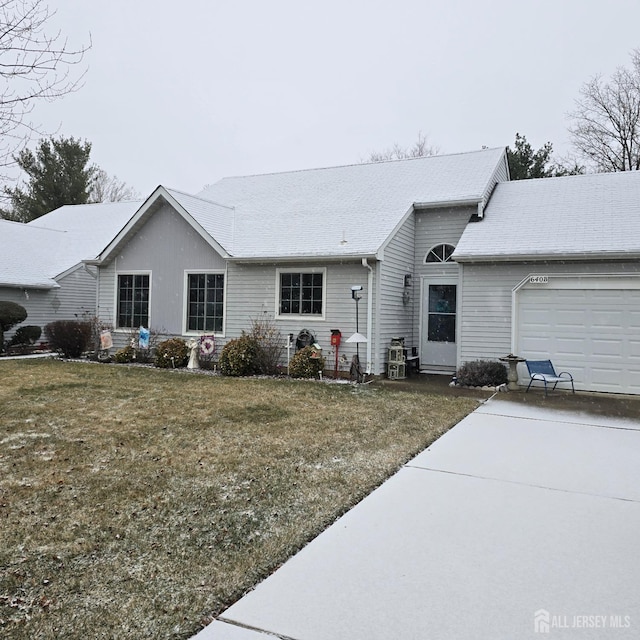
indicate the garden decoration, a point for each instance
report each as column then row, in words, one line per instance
column 106, row 342
column 194, row 347
column 143, row 338
column 207, row 346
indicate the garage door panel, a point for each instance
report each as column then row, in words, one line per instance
column 571, row 319
column 606, row 320
column 633, row 350
column 568, row 347
column 592, row 333
column 607, row 348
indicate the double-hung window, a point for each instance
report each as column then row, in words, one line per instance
column 133, row 300
column 301, row 293
column 205, row 302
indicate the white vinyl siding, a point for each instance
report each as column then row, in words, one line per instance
column 252, row 290
column 396, row 313
column 167, row 247
column 436, row 227
column 487, row 296
column 74, row 299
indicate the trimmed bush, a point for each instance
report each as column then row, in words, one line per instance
column 27, row 334
column 482, row 373
column 69, row 337
column 240, row 357
column 172, row 353
column 302, row 365
column 124, row 355
column 11, row 314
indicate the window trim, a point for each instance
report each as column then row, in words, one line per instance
column 432, row 250
column 185, row 302
column 116, row 314
column 301, row 270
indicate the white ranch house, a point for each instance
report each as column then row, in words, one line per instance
column 451, row 256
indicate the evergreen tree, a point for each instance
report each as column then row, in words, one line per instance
column 58, row 172
column 525, row 163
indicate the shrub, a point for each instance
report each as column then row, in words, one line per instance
column 27, row 334
column 11, row 314
column 70, row 337
column 239, row 357
column 482, row 373
column 302, row 365
column 172, row 353
column 125, row 355
column 269, row 342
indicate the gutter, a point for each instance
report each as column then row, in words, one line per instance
column 464, row 202
column 304, row 257
column 30, row 285
column 369, row 312
column 555, row 257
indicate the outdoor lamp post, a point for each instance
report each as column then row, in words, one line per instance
column 356, row 297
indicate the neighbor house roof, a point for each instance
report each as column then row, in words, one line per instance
column 569, row 218
column 34, row 254
column 343, row 211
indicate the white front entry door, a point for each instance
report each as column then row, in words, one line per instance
column 439, row 301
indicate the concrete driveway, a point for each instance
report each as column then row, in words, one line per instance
column 523, row 521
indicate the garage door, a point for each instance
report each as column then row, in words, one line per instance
column 592, row 333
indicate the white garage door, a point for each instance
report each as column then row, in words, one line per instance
column 592, row 333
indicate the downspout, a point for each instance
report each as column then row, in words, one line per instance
column 369, row 312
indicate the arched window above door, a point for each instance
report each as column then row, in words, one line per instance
column 439, row 253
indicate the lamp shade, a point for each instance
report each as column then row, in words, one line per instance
column 357, row 337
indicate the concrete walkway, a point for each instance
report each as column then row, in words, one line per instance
column 522, row 521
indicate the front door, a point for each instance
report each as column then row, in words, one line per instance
column 438, row 349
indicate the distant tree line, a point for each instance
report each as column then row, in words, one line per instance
column 604, row 131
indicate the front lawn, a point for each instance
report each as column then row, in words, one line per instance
column 139, row 503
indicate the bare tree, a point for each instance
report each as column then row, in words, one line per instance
column 106, row 188
column 419, row 149
column 606, row 122
column 34, row 65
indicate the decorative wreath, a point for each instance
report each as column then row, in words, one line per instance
column 207, row 345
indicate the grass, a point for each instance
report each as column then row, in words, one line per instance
column 138, row 503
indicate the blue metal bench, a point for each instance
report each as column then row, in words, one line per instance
column 543, row 371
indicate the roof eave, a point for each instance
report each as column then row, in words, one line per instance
column 31, row 285
column 548, row 257
column 329, row 257
column 436, row 204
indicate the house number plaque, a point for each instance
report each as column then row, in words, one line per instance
column 539, row 279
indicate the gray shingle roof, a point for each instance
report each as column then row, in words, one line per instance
column 34, row 254
column 590, row 216
column 342, row 211
column 216, row 219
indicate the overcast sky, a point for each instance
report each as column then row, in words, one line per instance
column 185, row 93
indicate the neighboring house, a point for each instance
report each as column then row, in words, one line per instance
column 291, row 246
column 553, row 271
column 41, row 263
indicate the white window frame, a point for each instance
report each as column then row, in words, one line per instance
column 433, row 248
column 301, row 270
column 185, row 302
column 116, row 296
